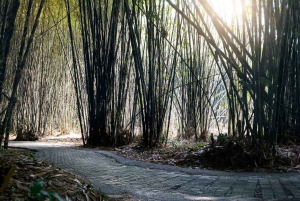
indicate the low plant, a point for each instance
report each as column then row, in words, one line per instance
column 175, row 143
column 222, row 139
column 5, row 151
column 30, row 154
column 104, row 196
column 37, row 192
column 201, row 144
column 196, row 146
column 190, row 147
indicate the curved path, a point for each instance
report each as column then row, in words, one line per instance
column 145, row 181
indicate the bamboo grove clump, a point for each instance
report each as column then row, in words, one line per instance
column 260, row 57
column 139, row 75
column 31, row 22
column 37, row 89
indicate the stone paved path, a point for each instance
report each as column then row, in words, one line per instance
column 145, row 181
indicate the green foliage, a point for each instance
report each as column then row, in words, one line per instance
column 5, row 151
column 196, row 146
column 153, row 16
column 201, row 144
column 104, row 196
column 37, row 192
column 30, row 154
column 175, row 143
column 12, row 190
column 222, row 139
column 163, row 138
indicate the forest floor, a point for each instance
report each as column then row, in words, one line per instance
column 39, row 180
column 35, row 179
column 230, row 157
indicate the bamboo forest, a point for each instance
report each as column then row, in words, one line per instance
column 200, row 84
column 115, row 71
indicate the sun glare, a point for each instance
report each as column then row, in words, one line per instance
column 228, row 10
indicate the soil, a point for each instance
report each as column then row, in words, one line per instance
column 230, row 156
